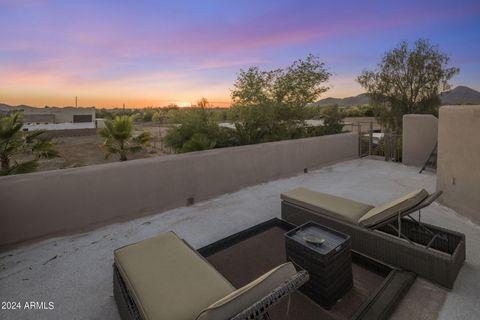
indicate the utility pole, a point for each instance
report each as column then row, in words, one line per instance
column 76, row 102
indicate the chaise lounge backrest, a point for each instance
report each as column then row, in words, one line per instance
column 248, row 295
column 391, row 209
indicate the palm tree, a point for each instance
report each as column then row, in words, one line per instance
column 14, row 142
column 119, row 139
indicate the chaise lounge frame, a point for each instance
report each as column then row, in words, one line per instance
column 432, row 252
column 258, row 311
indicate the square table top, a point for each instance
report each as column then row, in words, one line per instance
column 333, row 239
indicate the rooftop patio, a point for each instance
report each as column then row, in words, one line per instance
column 75, row 272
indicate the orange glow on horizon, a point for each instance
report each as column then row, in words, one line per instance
column 131, row 103
column 100, row 97
column 139, row 91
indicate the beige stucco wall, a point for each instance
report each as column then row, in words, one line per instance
column 57, row 202
column 458, row 168
column 66, row 114
column 60, row 115
column 36, row 117
column 420, row 132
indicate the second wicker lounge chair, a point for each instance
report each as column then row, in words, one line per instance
column 387, row 233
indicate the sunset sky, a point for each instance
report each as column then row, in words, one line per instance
column 151, row 53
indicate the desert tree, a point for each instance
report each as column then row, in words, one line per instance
column 407, row 80
column 332, row 120
column 271, row 105
column 119, row 138
column 295, row 86
column 203, row 103
column 267, row 106
column 14, row 143
column 159, row 116
column 196, row 129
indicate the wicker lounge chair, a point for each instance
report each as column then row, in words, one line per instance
column 164, row 278
column 388, row 233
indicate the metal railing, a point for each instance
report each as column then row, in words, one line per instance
column 386, row 145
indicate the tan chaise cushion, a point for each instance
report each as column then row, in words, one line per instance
column 390, row 209
column 327, row 204
column 241, row 299
column 168, row 280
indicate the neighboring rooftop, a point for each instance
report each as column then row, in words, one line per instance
column 75, row 272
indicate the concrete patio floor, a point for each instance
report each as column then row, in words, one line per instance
column 75, row 272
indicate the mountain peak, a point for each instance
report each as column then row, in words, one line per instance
column 463, row 88
column 360, row 99
column 460, row 95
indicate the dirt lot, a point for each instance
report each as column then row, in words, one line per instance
column 87, row 150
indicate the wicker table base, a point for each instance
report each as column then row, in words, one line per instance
column 329, row 264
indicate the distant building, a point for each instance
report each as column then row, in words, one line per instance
column 58, row 118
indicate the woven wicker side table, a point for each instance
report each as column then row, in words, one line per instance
column 329, row 264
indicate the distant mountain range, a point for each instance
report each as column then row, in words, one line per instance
column 459, row 95
column 7, row 107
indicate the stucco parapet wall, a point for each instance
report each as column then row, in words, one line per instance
column 44, row 204
column 458, row 164
column 420, row 135
column 473, row 109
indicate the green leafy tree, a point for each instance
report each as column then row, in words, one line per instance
column 14, row 142
column 301, row 83
column 160, row 115
column 221, row 114
column 255, row 124
column 196, row 130
column 157, row 116
column 147, row 114
column 280, row 97
column 365, row 110
column 119, row 139
column 198, row 142
column 296, row 86
column 407, row 80
column 254, row 87
column 332, row 120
